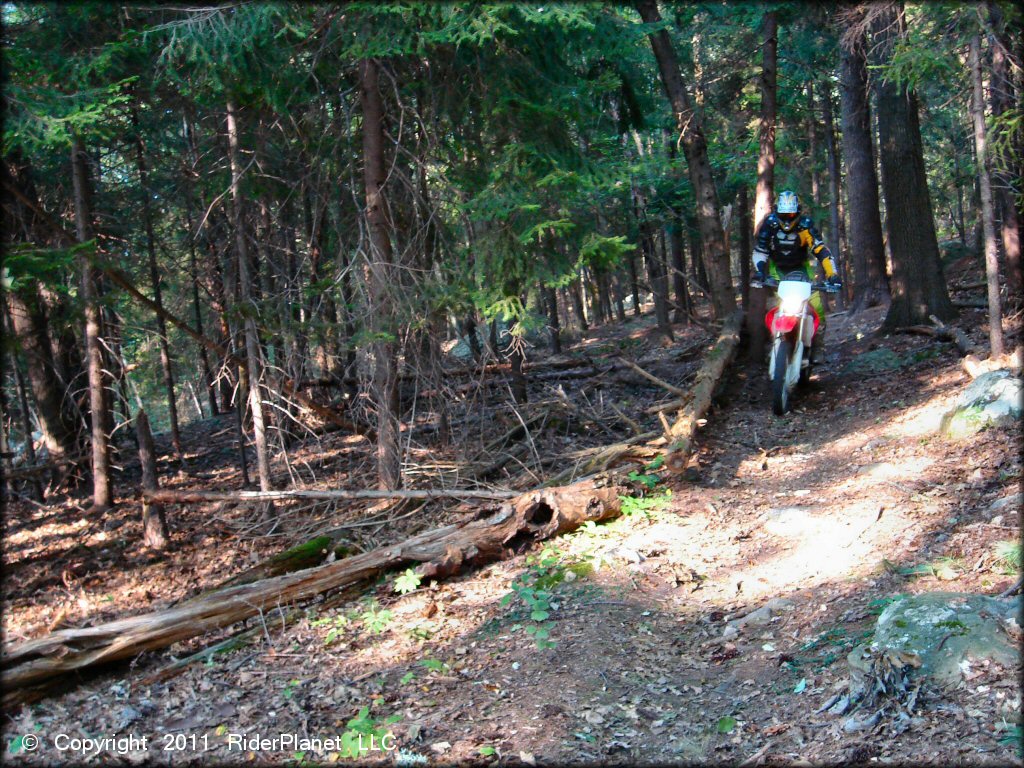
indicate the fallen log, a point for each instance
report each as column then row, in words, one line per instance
column 171, row 496
column 529, row 517
column 710, row 374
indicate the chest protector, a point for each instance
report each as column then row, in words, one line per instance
column 789, row 250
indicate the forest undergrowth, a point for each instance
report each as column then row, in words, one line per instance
column 616, row 643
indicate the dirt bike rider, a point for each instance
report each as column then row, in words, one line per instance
column 785, row 242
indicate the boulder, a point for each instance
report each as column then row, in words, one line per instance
column 940, row 635
column 992, row 399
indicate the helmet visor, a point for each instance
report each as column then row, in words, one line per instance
column 787, row 218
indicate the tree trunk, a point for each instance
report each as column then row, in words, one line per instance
column 553, row 325
column 812, row 152
column 245, row 285
column 384, row 386
column 743, row 222
column 26, row 427
column 995, row 313
column 1002, row 167
column 835, row 219
column 765, row 192
column 918, row 284
column 154, row 519
column 29, row 322
column 193, row 234
column 867, row 250
column 99, row 402
column 634, row 283
column 154, row 278
column 695, row 150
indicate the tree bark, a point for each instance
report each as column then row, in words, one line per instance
column 29, row 322
column 154, row 519
column 554, row 328
column 245, row 284
column 918, row 285
column 716, row 362
column 743, row 223
column 691, row 133
column 1002, row 168
column 379, row 270
column 834, row 195
column 995, row 313
column 867, row 250
column 99, row 401
column 765, row 192
column 154, row 278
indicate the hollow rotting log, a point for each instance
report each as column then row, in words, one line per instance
column 440, row 552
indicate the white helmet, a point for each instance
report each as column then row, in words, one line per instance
column 787, row 209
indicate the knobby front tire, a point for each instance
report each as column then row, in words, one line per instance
column 780, row 392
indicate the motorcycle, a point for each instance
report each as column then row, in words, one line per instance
column 792, row 324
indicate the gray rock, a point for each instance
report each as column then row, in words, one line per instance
column 947, row 632
column 994, row 398
column 763, row 615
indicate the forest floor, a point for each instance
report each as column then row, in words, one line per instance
column 831, row 512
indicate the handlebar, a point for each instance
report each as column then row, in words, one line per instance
column 771, row 282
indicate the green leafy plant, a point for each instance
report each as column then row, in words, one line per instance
column 408, row 581
column 289, row 689
column 337, row 625
column 645, row 505
column 433, row 665
column 375, row 618
column 362, row 731
column 648, row 478
column 533, row 589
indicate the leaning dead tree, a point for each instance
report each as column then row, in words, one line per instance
column 441, row 552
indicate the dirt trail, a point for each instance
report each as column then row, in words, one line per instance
column 819, row 511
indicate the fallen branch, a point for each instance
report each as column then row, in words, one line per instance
column 170, row 496
column 710, row 374
column 954, row 334
column 530, row 517
column 654, row 379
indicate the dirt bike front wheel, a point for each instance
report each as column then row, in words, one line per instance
column 780, row 390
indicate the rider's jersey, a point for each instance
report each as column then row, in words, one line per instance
column 791, row 250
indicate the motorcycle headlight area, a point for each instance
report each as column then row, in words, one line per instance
column 792, row 295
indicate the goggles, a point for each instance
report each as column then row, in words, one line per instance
column 787, row 218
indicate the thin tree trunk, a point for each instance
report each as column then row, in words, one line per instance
column 26, row 427
column 691, row 131
column 995, row 314
column 867, row 250
column 812, row 151
column 379, row 277
column 834, row 195
column 765, row 192
column 103, row 496
column 743, row 222
column 918, row 284
column 245, row 284
column 154, row 278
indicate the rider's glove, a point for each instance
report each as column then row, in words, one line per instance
column 834, row 281
column 762, row 271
